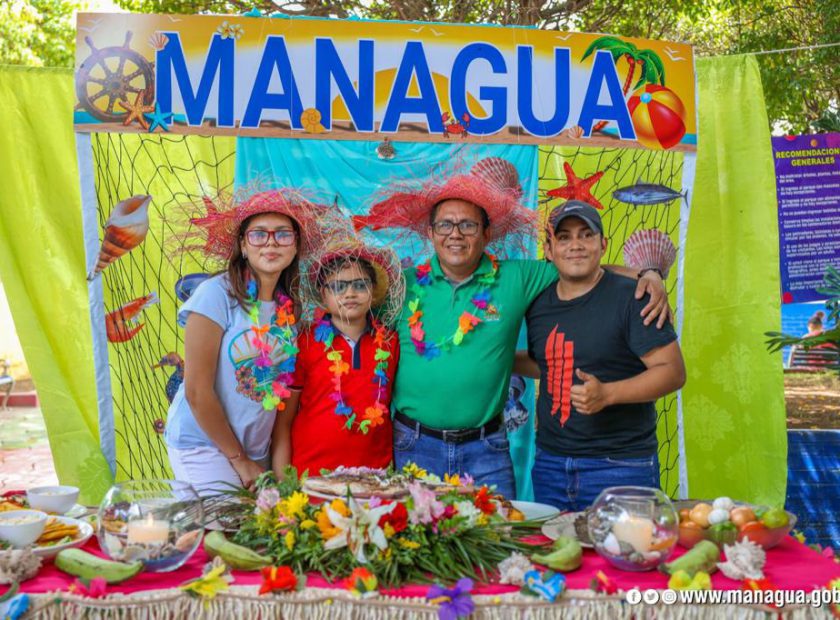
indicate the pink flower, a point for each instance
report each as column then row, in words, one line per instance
column 267, row 499
column 427, row 508
column 95, row 588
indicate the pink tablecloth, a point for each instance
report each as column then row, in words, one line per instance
column 790, row 566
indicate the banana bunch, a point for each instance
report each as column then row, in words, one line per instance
column 55, row 530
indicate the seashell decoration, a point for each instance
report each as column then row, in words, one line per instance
column 650, row 248
column 158, row 41
column 744, row 560
column 499, row 172
column 125, row 229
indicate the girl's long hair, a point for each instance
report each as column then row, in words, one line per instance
column 238, row 269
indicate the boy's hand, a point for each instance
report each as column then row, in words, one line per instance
column 590, row 397
column 657, row 307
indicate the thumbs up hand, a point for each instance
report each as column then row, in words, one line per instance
column 591, row 396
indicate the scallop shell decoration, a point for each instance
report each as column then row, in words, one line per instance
column 744, row 560
column 158, row 41
column 499, row 172
column 125, row 229
column 650, row 248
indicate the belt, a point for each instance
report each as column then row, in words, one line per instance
column 452, row 436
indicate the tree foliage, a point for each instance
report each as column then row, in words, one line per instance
column 801, row 88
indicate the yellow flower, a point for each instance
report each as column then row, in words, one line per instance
column 389, row 531
column 293, row 505
column 307, row 523
column 290, row 540
column 209, row 585
column 799, row 536
column 453, row 480
column 413, row 470
column 481, row 519
column 408, row 544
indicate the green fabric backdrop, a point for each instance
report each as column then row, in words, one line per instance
column 733, row 401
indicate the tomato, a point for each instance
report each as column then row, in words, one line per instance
column 752, row 526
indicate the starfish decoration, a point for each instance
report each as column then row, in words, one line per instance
column 136, row 110
column 159, row 119
column 576, row 188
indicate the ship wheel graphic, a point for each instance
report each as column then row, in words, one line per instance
column 110, row 75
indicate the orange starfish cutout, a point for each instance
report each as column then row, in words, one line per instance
column 577, row 188
column 136, row 110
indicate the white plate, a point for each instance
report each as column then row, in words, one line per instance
column 85, row 532
column 77, row 512
column 534, row 511
column 563, row 525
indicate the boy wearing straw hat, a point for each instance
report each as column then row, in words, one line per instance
column 461, row 319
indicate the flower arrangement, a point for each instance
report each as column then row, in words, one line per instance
column 442, row 533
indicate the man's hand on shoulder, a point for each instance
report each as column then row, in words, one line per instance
column 657, row 308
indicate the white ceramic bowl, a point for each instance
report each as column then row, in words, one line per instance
column 22, row 527
column 57, row 499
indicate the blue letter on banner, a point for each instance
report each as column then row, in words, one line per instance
column 496, row 95
column 274, row 56
column 413, row 63
column 603, row 71
column 525, row 92
column 219, row 60
column 328, row 65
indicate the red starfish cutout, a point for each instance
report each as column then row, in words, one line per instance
column 136, row 110
column 576, row 188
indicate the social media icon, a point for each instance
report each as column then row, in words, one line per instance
column 669, row 597
column 634, row 596
column 651, row 597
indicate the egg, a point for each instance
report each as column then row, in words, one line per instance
column 724, row 503
column 718, row 515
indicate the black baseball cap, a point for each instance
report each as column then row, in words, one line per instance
column 579, row 209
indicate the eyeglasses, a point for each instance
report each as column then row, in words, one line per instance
column 468, row 228
column 259, row 238
column 339, row 287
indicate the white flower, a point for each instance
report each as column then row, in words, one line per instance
column 469, row 512
column 267, row 499
column 512, row 569
column 359, row 529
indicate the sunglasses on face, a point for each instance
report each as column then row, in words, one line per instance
column 339, row 287
column 259, row 238
column 468, row 228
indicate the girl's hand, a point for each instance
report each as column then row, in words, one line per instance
column 247, row 470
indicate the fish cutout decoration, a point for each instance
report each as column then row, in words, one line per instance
column 185, row 286
column 125, row 229
column 647, row 194
column 120, row 325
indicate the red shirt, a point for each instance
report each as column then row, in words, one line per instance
column 319, row 438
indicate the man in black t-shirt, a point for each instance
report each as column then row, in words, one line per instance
column 600, row 370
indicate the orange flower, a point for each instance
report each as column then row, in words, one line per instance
column 467, row 321
column 277, row 579
column 414, row 318
column 484, row 502
column 375, row 414
column 327, row 529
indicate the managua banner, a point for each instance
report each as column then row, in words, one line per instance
column 358, row 80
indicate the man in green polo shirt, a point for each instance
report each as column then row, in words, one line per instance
column 460, row 325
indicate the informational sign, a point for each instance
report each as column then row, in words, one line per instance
column 808, row 188
column 357, row 80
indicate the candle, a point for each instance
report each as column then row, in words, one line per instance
column 635, row 531
column 148, row 531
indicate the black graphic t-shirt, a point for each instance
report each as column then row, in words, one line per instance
column 601, row 333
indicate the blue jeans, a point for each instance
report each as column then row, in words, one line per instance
column 486, row 459
column 574, row 483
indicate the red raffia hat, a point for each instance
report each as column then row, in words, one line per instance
column 389, row 291
column 492, row 184
column 214, row 223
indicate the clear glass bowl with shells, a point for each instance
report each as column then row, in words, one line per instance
column 633, row 528
column 158, row 522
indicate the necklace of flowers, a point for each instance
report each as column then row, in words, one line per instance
column 467, row 321
column 284, row 319
column 325, row 332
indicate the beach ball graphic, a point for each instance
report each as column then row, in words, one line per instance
column 658, row 116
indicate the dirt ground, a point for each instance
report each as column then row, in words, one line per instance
column 813, row 400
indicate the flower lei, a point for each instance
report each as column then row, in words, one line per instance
column 284, row 319
column 467, row 321
column 374, row 415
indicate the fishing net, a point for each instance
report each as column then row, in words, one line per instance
column 623, row 169
column 143, row 281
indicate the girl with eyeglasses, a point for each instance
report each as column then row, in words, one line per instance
column 339, row 411
column 240, row 339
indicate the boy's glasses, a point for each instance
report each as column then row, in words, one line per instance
column 339, row 287
column 259, row 238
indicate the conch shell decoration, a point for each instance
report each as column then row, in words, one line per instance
column 744, row 560
column 125, row 229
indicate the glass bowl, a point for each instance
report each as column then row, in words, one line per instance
column 767, row 537
column 158, row 522
column 633, row 528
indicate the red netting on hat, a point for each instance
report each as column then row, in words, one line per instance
column 491, row 183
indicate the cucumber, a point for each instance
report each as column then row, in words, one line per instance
column 87, row 566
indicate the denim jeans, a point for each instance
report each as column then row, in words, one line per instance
column 486, row 459
column 574, row 483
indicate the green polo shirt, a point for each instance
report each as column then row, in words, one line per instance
column 467, row 385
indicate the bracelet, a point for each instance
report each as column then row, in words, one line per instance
column 646, row 269
column 236, row 456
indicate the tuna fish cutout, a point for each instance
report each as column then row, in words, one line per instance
column 647, row 194
column 125, row 229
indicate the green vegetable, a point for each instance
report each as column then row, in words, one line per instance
column 774, row 517
column 723, row 533
column 703, row 557
column 235, row 556
column 566, row 555
column 87, row 566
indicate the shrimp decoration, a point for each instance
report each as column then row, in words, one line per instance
column 120, row 325
column 125, row 229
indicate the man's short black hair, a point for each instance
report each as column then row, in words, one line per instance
column 485, row 219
